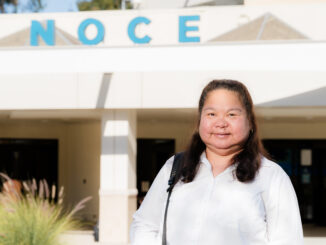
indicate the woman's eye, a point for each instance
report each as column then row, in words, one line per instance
column 211, row 114
column 232, row 114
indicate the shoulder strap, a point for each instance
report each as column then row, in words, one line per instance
column 174, row 171
column 172, row 180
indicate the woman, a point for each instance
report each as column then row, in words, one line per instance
column 228, row 192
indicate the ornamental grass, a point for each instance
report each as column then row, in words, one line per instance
column 32, row 214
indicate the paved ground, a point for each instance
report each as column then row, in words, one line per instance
column 314, row 231
column 313, row 236
column 79, row 238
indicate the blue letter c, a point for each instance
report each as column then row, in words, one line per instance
column 132, row 27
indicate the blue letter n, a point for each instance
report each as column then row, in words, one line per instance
column 46, row 34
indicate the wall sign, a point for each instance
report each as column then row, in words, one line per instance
column 47, row 33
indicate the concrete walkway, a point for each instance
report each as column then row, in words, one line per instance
column 314, row 235
column 79, row 238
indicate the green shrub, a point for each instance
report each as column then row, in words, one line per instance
column 35, row 215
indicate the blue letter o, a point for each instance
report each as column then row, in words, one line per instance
column 81, row 32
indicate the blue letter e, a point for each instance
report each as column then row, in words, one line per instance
column 183, row 29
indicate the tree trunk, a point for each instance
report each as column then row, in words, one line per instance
column 2, row 10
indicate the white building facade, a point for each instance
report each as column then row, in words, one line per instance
column 97, row 83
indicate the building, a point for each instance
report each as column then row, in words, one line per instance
column 84, row 97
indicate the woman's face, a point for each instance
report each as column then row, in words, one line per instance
column 224, row 124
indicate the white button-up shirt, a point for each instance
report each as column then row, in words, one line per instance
column 221, row 210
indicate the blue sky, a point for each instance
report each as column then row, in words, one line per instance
column 50, row 6
column 60, row 5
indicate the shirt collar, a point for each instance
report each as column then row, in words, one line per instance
column 204, row 160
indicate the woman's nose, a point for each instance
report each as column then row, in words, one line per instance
column 221, row 122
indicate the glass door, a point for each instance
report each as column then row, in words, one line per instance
column 305, row 163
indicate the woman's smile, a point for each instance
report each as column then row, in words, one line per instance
column 221, row 135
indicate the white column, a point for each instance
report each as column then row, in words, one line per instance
column 118, row 191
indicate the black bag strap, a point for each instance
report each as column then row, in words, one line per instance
column 172, row 182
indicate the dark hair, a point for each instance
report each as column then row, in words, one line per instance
column 249, row 159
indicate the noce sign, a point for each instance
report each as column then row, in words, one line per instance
column 47, row 34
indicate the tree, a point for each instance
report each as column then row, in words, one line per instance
column 101, row 5
column 34, row 6
column 22, row 5
column 4, row 2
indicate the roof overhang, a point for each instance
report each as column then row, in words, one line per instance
column 294, row 56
